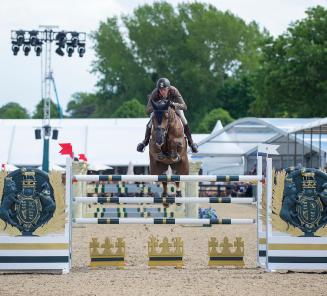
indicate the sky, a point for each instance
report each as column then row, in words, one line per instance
column 20, row 76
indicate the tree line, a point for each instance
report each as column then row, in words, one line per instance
column 224, row 67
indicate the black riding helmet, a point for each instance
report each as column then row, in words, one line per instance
column 163, row 82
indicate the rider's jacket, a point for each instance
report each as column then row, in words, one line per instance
column 173, row 96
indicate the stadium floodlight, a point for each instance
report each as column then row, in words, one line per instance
column 81, row 49
column 41, row 41
column 20, row 37
column 33, row 38
column 70, row 49
column 61, row 42
column 38, row 48
column 74, row 38
column 15, row 48
column 26, row 48
column 61, row 39
column 59, row 51
column 37, row 133
column 55, row 133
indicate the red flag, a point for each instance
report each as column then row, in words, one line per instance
column 82, row 157
column 66, row 149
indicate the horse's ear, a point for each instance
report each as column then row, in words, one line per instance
column 154, row 105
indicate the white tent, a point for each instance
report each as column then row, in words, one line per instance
column 104, row 141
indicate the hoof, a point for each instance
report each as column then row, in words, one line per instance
column 165, row 205
column 179, row 194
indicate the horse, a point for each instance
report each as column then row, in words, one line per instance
column 168, row 146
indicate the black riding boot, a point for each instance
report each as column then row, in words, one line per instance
column 141, row 146
column 194, row 146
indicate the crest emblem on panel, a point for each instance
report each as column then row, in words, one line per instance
column 301, row 203
column 27, row 200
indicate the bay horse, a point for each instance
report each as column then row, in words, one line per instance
column 168, row 146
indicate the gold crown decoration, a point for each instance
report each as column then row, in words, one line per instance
column 226, row 253
column 113, row 252
column 308, row 180
column 29, row 180
column 165, row 253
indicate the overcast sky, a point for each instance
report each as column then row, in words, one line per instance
column 20, row 76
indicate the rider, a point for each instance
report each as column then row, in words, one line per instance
column 166, row 91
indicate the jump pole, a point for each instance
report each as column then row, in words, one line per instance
column 167, row 178
column 160, row 200
column 166, row 221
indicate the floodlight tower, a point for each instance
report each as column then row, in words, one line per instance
column 46, row 95
column 36, row 39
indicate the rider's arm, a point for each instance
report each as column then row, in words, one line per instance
column 178, row 99
column 149, row 108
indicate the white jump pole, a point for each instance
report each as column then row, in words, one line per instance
column 169, row 200
column 166, row 221
column 167, row 178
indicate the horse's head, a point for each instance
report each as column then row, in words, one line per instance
column 160, row 122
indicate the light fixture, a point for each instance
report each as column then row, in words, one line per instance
column 37, row 133
column 74, row 38
column 59, row 51
column 20, row 37
column 38, row 48
column 81, row 49
column 15, row 48
column 70, row 49
column 55, row 133
column 61, row 42
column 33, row 37
column 26, row 48
column 61, row 39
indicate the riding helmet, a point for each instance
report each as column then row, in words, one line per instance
column 163, row 82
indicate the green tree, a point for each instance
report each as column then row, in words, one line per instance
column 13, row 111
column 82, row 105
column 237, row 95
column 292, row 79
column 38, row 112
column 195, row 45
column 209, row 121
column 130, row 109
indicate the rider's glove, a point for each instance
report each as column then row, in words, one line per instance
column 172, row 105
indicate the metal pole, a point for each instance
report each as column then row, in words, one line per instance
column 47, row 96
column 295, row 152
column 303, row 164
column 311, row 147
column 288, row 149
column 319, row 163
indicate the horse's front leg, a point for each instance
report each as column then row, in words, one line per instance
column 178, row 192
column 178, row 189
column 165, row 194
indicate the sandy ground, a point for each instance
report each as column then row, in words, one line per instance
column 195, row 279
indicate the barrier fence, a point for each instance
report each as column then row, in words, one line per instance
column 275, row 251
